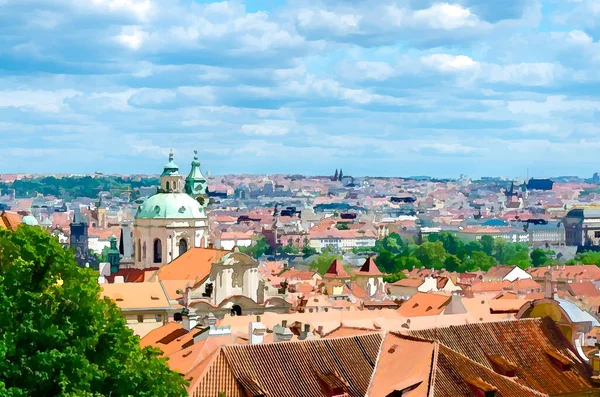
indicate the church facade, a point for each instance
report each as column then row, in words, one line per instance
column 173, row 220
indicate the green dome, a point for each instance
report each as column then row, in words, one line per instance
column 30, row 220
column 170, row 206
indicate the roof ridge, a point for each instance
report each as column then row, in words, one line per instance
column 385, row 333
column 434, row 359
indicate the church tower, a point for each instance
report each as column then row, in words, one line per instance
column 170, row 180
column 79, row 237
column 195, row 183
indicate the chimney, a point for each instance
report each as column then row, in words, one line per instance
column 282, row 332
column 189, row 320
column 256, row 332
column 211, row 320
column 306, row 334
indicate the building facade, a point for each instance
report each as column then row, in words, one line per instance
column 171, row 221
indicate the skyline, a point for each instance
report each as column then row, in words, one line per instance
column 269, row 87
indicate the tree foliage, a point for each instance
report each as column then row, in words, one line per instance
column 86, row 186
column 259, row 247
column 57, row 338
column 322, row 262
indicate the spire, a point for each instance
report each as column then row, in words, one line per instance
column 341, row 175
column 336, row 175
column 336, row 270
column 369, row 268
column 195, row 183
column 171, row 169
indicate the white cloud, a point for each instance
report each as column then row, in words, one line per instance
column 450, row 63
column 132, row 37
column 446, row 16
column 448, row 148
column 264, row 129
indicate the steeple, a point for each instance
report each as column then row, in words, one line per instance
column 341, row 175
column 195, row 183
column 336, row 175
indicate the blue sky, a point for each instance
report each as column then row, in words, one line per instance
column 405, row 87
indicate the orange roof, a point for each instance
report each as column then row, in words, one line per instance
column 10, row 220
column 525, row 343
column 130, row 296
column 408, row 282
column 184, row 360
column 584, row 288
column 369, row 269
column 194, row 265
column 297, row 274
column 424, row 304
column 154, row 337
column 336, row 270
column 394, row 372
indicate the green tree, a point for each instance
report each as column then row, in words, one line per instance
column 431, row 254
column 487, row 244
column 322, row 262
column 307, row 251
column 451, row 243
column 453, row 263
column 58, row 337
column 392, row 278
column 259, row 247
column 385, row 261
column 479, row 260
column 588, row 258
column 538, row 257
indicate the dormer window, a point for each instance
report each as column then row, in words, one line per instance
column 561, row 362
column 502, row 365
column 481, row 388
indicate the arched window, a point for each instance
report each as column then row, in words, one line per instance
column 157, row 251
column 144, row 251
column 183, row 246
column 168, row 186
column 139, row 250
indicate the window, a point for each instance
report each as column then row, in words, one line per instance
column 597, row 234
column 140, row 318
column 139, row 250
column 183, row 246
column 168, row 186
column 159, row 318
column 157, row 251
column 144, row 251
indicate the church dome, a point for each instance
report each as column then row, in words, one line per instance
column 30, row 220
column 170, row 206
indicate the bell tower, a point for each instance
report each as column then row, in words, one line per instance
column 170, row 180
column 195, row 183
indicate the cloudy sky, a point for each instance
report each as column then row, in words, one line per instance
column 405, row 87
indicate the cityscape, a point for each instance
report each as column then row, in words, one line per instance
column 276, row 198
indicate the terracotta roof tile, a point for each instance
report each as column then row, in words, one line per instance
column 194, row 265
column 424, row 304
column 336, row 270
column 136, row 295
column 369, row 269
column 522, row 342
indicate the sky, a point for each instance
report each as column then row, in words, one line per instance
column 376, row 87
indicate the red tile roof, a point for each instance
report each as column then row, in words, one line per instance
column 369, row 269
column 336, row 270
column 523, row 343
